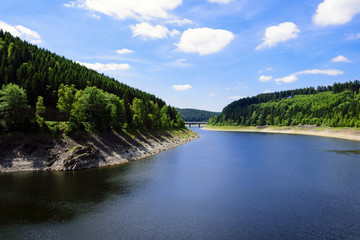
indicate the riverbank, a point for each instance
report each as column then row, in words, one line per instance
column 343, row 133
column 21, row 152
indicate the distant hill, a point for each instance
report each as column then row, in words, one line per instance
column 335, row 106
column 195, row 115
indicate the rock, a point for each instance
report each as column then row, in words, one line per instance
column 83, row 157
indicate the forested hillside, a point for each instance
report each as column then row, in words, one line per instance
column 335, row 106
column 195, row 115
column 36, row 82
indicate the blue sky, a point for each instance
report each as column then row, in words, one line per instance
column 199, row 54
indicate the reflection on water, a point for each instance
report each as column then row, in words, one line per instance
column 221, row 186
column 346, row 152
column 57, row 196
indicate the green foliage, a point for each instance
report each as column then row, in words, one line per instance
column 195, row 115
column 92, row 106
column 66, row 96
column 74, row 94
column 14, row 109
column 341, row 109
column 41, row 73
column 40, row 111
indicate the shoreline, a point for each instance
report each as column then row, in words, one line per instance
column 41, row 152
column 341, row 133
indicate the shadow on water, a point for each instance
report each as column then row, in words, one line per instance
column 40, row 197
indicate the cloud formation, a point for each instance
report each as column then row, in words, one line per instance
column 124, row 51
column 126, row 9
column 147, row 31
column 21, row 32
column 336, row 12
column 181, row 87
column 179, row 22
column 204, row 40
column 293, row 77
column 100, row 67
column 340, row 58
column 264, row 78
column 280, row 33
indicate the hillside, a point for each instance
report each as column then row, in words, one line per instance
column 334, row 106
column 66, row 91
column 195, row 115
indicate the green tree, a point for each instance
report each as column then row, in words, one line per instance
column 14, row 109
column 164, row 117
column 40, row 111
column 92, row 106
column 139, row 114
column 66, row 96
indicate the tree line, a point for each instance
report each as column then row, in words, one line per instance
column 195, row 115
column 67, row 91
column 335, row 106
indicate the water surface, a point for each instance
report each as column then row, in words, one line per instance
column 222, row 186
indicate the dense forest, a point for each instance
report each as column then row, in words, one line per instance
column 335, row 106
column 195, row 115
column 38, row 86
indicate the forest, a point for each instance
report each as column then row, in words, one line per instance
column 335, row 106
column 195, row 115
column 39, row 87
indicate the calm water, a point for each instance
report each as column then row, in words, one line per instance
column 221, row 186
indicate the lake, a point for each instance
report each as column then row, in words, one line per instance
column 222, row 186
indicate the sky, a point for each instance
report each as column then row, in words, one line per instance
column 200, row 54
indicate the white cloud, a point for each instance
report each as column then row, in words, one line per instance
column 280, row 33
column 267, row 91
column 71, row 4
column 336, row 12
column 293, row 77
column 236, row 97
column 95, row 16
column 330, row 72
column 264, row 78
column 179, row 63
column 287, row 79
column 21, row 32
column 340, row 58
column 219, row 1
column 181, row 87
column 100, row 67
column 125, row 9
column 124, row 51
column 268, row 69
column 212, row 94
column 147, row 31
column 204, row 40
column 353, row 36
column 179, row 22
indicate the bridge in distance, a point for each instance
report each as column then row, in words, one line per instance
column 196, row 123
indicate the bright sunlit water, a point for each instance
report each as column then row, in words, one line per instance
column 221, row 186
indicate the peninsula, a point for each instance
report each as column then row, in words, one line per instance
column 56, row 114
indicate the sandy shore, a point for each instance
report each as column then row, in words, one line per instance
column 343, row 133
column 41, row 152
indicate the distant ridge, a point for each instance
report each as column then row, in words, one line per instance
column 335, row 106
column 195, row 115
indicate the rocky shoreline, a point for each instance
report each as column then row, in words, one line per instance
column 21, row 152
column 342, row 133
